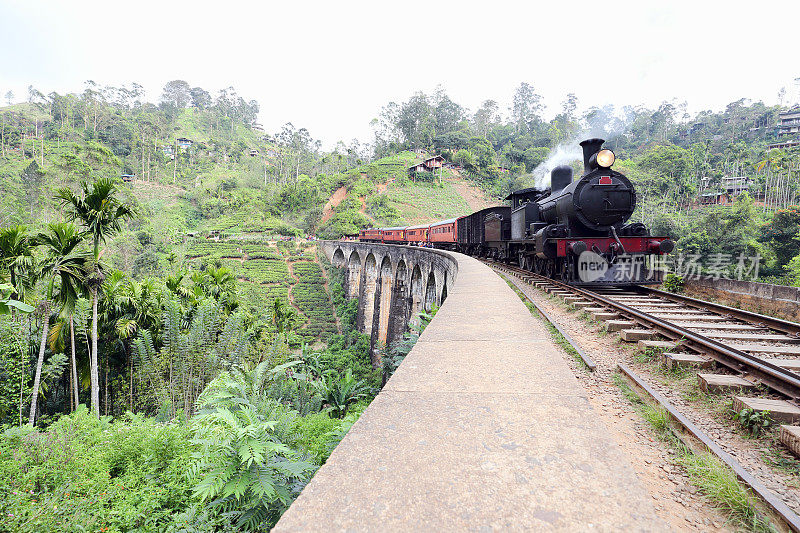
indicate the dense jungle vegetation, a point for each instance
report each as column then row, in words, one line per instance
column 174, row 352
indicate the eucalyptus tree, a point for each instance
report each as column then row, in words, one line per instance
column 65, row 260
column 102, row 213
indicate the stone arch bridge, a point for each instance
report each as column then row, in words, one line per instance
column 393, row 284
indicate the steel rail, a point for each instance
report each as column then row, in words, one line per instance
column 775, row 377
column 776, row 504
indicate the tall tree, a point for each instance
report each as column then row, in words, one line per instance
column 102, row 213
column 526, row 106
column 66, row 261
column 16, row 258
column 177, row 93
column 486, row 117
column 201, row 99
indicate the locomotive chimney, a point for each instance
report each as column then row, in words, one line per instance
column 590, row 147
column 560, row 177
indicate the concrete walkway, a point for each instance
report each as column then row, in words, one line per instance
column 482, row 428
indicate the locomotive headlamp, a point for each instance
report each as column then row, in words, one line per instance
column 605, row 158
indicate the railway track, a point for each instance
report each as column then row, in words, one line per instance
column 733, row 350
column 755, row 349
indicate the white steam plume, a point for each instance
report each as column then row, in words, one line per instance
column 603, row 125
column 563, row 154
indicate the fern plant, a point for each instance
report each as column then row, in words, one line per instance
column 243, row 466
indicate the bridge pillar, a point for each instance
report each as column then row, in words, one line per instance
column 400, row 308
column 366, row 308
column 383, row 300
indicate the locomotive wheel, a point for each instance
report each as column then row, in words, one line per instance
column 550, row 269
column 538, row 266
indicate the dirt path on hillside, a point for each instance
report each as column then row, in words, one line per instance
column 335, row 199
column 289, row 293
column 476, row 199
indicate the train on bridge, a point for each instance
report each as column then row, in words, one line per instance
column 576, row 231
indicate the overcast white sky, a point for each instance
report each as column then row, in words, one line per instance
column 330, row 66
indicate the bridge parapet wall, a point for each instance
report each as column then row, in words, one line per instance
column 775, row 300
column 393, row 284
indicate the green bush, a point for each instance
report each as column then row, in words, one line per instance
column 673, row 283
column 245, row 466
column 88, row 474
column 314, row 433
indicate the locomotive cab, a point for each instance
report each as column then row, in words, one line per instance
column 524, row 212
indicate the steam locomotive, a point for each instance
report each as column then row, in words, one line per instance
column 575, row 231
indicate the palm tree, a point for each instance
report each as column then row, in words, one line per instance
column 102, row 213
column 284, row 317
column 221, row 285
column 16, row 258
column 132, row 306
column 66, row 261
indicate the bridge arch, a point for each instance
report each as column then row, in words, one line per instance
column 401, row 277
column 417, row 292
column 338, row 258
column 353, row 274
column 430, row 292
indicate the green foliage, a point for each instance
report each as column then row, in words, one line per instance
column 312, row 300
column 7, row 303
column 243, row 467
column 314, row 434
column 88, row 474
column 782, row 233
column 673, row 283
column 341, row 391
column 13, row 374
column 755, row 422
column 381, row 209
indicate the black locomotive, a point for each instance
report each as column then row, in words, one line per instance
column 575, row 231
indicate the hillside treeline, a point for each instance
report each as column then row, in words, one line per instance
column 673, row 158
